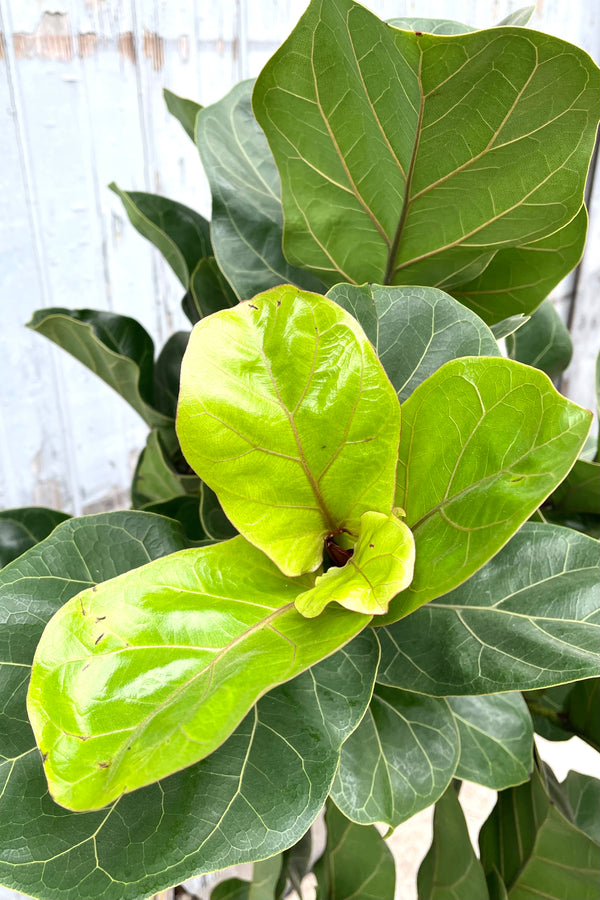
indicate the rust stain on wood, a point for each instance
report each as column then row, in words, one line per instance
column 88, row 44
column 2, row 47
column 183, row 46
column 126, row 46
column 154, row 49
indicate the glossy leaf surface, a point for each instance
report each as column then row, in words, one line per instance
column 414, row 330
column 247, row 219
column 173, row 830
column 496, row 739
column 25, row 527
column 181, row 234
column 530, row 618
column 505, row 327
column 183, row 109
column 435, row 208
column 484, row 441
column 583, row 794
column 450, row 870
column 543, row 342
column 116, row 348
column 536, row 850
column 356, row 862
column 176, row 652
column 400, row 759
column 381, row 565
column 286, row 413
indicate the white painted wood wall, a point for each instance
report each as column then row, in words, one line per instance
column 81, row 105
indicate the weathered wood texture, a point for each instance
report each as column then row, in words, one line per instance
column 81, row 105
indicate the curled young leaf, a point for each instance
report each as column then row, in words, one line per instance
column 381, row 565
column 150, row 672
column 287, row 414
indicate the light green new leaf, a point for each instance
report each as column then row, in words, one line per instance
column 519, row 278
column 116, row 348
column 191, row 822
column 583, row 794
column 156, row 478
column 543, row 342
column 519, row 17
column 286, row 413
column 25, row 527
column 536, row 850
column 418, row 163
column 484, row 441
column 209, row 291
column 529, row 619
column 356, row 862
column 382, row 564
column 183, row 109
column 580, row 491
column 414, row 330
column 496, row 739
column 176, row 652
column 448, row 26
column 247, row 219
column 451, row 870
column 506, row 327
column 181, row 234
column 400, row 759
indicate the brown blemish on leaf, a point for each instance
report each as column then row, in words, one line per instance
column 44, row 757
column 100, row 618
column 98, row 639
column 103, row 765
column 83, row 610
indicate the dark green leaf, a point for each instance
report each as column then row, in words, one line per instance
column 166, row 373
column 496, row 739
column 116, row 348
column 356, row 863
column 247, row 220
column 209, row 291
column 231, row 808
column 496, row 886
column 451, row 870
column 518, row 278
column 265, row 875
column 23, row 528
column 530, row 618
column 536, row 850
column 183, row 109
column 583, row 708
column 580, row 491
column 232, row 889
column 214, row 521
column 279, row 433
column 156, row 477
column 295, row 865
column 543, row 342
column 400, row 759
column 417, row 164
column 181, row 234
column 583, row 794
column 546, row 708
column 586, row 523
column 484, row 441
column 414, row 330
column 186, row 511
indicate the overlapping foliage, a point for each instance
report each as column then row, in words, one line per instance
column 328, row 593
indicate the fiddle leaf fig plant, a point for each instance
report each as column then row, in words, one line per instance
column 360, row 564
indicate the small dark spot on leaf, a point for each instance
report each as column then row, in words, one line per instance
column 83, row 737
column 98, row 639
column 94, row 588
column 252, row 306
column 517, row 479
column 418, row 33
column 87, row 665
column 324, row 447
column 83, row 612
column 372, row 546
column 103, row 765
column 278, row 304
column 100, row 618
column 44, row 757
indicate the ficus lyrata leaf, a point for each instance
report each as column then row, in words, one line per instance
column 583, row 794
column 183, row 109
column 116, row 348
column 247, row 219
column 166, row 373
column 381, row 565
column 580, row 491
column 156, row 477
column 356, row 861
column 232, row 807
column 543, row 342
column 286, row 413
column 418, row 163
column 181, row 234
column 450, row 870
column 530, row 618
column 566, row 710
column 209, row 291
column 448, row 26
column 25, row 527
column 176, row 652
column 484, row 441
column 414, row 330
